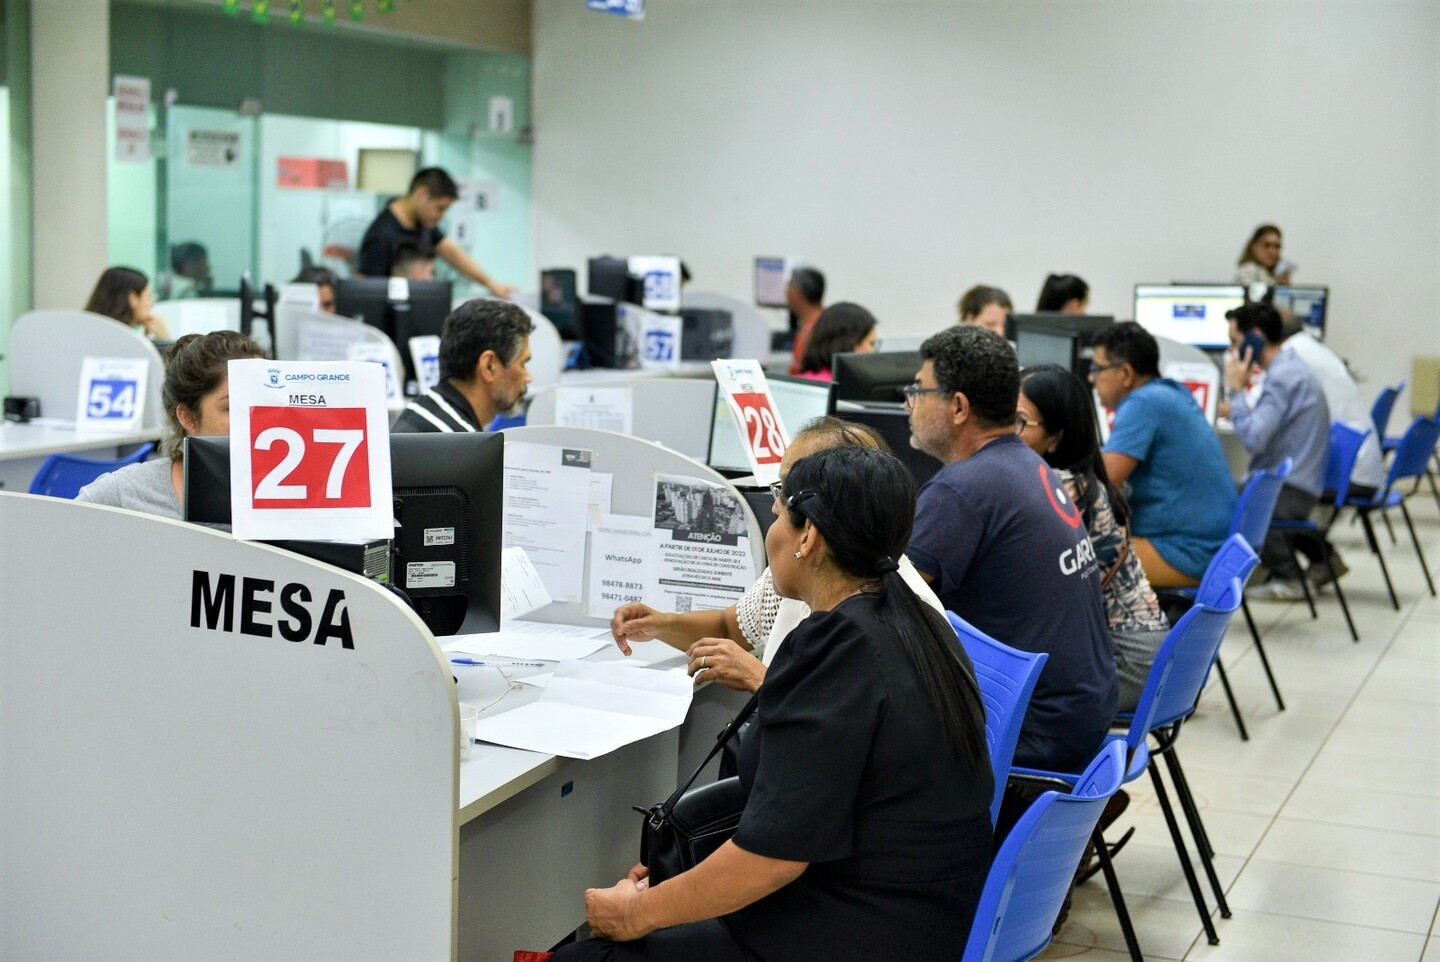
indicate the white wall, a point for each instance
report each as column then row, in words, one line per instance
column 910, row 149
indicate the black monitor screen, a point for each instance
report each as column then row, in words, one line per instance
column 560, row 302
column 1036, row 346
column 365, row 299
column 874, row 377
column 447, row 503
column 610, row 277
column 422, row 314
column 893, row 424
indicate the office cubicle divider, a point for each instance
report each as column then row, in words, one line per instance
column 47, row 349
column 226, row 750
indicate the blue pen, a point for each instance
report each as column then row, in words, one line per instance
column 477, row 663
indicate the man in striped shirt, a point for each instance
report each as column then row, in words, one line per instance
column 484, row 350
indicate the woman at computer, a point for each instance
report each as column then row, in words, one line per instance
column 1056, row 419
column 866, row 831
column 732, row 647
column 987, row 307
column 1260, row 261
column 1063, row 294
column 196, row 398
column 842, row 328
column 124, row 294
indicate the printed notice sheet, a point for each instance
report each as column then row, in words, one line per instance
column 606, row 408
column 620, row 563
column 547, row 493
column 702, row 552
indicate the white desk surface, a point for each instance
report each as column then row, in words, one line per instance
column 32, row 440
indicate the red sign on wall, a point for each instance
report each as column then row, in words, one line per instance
column 312, row 173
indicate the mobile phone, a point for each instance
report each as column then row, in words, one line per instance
column 1252, row 342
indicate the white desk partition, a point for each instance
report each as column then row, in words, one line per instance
column 199, row 315
column 173, row 790
column 674, row 412
column 47, row 349
column 752, row 331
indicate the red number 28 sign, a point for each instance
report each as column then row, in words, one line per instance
column 762, row 428
column 303, row 457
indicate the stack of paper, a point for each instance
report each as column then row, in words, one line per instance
column 588, row 710
column 530, row 641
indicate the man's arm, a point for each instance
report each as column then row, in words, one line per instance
column 1119, row 466
column 454, row 255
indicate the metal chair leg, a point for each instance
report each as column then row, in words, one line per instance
column 1260, row 650
column 1405, row 512
column 1385, row 516
column 1117, row 898
column 1309, row 595
column 1197, row 829
column 1340, row 596
column 1375, row 547
column 1230, row 697
column 1165, row 807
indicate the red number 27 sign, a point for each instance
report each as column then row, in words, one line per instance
column 303, row 457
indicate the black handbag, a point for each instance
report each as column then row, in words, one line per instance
column 680, row 832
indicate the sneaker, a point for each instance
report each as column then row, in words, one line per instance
column 1320, row 574
column 1276, row 589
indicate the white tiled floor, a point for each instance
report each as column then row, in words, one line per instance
column 1326, row 823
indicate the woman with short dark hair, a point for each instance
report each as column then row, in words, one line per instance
column 124, row 294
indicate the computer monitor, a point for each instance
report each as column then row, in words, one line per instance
column 1192, row 314
column 1307, row 303
column 772, row 276
column 423, row 314
column 874, row 377
column 423, row 311
column 560, row 302
column 610, row 277
column 1038, row 339
column 448, row 505
column 798, row 400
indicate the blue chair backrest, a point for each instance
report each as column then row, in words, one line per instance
column 503, row 421
column 1035, row 867
column 1257, row 503
column 1181, row 666
column 63, row 475
column 1232, row 564
column 1007, row 678
column 1412, row 456
column 1345, row 444
column 1384, row 404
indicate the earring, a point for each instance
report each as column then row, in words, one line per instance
column 798, row 556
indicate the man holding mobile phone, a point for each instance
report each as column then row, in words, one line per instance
column 1289, row 419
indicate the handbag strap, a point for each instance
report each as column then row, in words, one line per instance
column 662, row 811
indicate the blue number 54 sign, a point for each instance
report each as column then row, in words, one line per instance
column 112, row 393
column 634, row 9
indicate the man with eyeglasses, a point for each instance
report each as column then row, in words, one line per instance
column 1005, row 548
column 1180, row 491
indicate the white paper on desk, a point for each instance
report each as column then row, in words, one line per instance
column 606, row 408
column 521, row 589
column 530, row 641
column 621, row 547
column 547, row 490
column 589, row 710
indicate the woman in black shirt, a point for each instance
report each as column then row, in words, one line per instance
column 866, row 831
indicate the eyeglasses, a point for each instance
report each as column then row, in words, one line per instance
column 777, row 489
column 1097, row 368
column 912, row 391
column 1022, row 422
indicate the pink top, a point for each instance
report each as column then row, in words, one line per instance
column 818, row 375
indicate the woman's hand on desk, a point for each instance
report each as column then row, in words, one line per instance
column 724, row 662
column 636, row 622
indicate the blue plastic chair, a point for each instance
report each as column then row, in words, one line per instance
column 1033, row 870
column 1411, row 460
column 1345, row 444
column 63, row 475
column 1007, row 678
column 503, row 421
column 1380, row 416
column 1251, row 520
column 1177, row 677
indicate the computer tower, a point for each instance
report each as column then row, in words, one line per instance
column 705, row 334
column 607, row 343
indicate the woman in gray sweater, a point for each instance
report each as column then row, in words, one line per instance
column 196, row 397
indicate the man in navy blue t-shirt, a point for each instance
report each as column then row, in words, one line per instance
column 1005, row 548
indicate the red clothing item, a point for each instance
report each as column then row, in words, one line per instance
column 801, row 336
